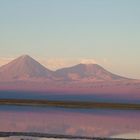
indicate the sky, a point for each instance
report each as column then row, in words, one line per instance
column 61, row 33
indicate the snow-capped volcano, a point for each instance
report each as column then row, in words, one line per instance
column 24, row 67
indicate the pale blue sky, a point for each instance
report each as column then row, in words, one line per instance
column 105, row 30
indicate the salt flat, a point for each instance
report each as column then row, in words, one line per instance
column 30, row 138
column 128, row 135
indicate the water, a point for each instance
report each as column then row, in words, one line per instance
column 69, row 97
column 84, row 122
column 80, row 122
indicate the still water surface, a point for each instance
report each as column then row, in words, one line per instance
column 81, row 122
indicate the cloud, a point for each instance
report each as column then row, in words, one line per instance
column 56, row 63
column 53, row 63
column 5, row 60
column 88, row 61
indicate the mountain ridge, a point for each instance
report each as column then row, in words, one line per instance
column 26, row 68
column 26, row 74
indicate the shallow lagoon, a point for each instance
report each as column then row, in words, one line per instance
column 80, row 122
column 70, row 97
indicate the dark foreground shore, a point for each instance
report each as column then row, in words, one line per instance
column 69, row 104
column 57, row 136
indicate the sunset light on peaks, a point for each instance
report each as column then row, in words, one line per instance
column 64, row 32
column 69, row 69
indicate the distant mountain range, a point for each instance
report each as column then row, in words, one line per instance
column 27, row 74
column 26, row 68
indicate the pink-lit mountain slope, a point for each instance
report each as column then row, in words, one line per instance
column 24, row 68
column 87, row 72
column 25, row 73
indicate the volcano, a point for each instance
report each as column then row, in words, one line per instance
column 24, row 68
column 87, row 72
column 25, row 73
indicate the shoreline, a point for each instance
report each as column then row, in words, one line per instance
column 70, row 104
column 55, row 136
